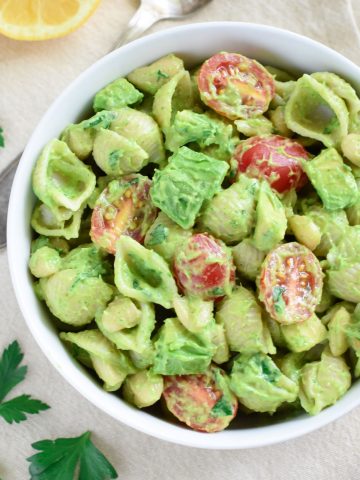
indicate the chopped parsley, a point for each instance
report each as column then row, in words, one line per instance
column 161, row 75
column 101, row 119
column 158, row 235
column 269, row 370
column 217, row 291
column 279, row 303
column 222, row 408
column 114, row 157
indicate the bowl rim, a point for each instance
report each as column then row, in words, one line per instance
column 68, row 367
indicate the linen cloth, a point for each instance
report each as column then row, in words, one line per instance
column 32, row 75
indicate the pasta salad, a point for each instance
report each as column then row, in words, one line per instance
column 197, row 239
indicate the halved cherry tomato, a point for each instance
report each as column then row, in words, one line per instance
column 291, row 283
column 235, row 86
column 123, row 208
column 200, row 401
column 273, row 158
column 204, row 267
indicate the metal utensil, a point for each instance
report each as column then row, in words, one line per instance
column 149, row 12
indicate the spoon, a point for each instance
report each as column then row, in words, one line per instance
column 149, row 12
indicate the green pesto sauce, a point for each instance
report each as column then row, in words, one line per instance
column 139, row 268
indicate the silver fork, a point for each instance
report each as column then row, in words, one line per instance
column 149, row 12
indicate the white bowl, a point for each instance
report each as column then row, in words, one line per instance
column 195, row 42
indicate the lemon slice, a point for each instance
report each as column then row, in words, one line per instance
column 42, row 19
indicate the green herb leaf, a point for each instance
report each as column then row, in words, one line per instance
column 222, row 408
column 10, row 372
column 279, row 302
column 2, row 141
column 267, row 368
column 161, row 75
column 15, row 410
column 114, row 157
column 60, row 458
column 99, row 120
column 158, row 235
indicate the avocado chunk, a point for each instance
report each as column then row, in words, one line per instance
column 117, row 94
column 271, row 219
column 189, row 126
column 189, row 179
column 259, row 384
column 180, row 352
column 332, row 179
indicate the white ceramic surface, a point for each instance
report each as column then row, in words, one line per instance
column 195, row 42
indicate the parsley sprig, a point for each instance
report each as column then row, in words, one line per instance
column 11, row 374
column 2, row 141
column 63, row 457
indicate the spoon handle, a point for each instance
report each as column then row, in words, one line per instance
column 6, row 179
column 144, row 17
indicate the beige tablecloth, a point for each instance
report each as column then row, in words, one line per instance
column 31, row 76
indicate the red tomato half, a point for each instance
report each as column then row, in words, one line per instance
column 199, row 401
column 273, row 158
column 204, row 267
column 235, row 86
column 291, row 283
column 123, row 208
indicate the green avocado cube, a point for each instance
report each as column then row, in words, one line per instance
column 180, row 352
column 189, row 126
column 332, row 179
column 117, row 94
column 181, row 188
